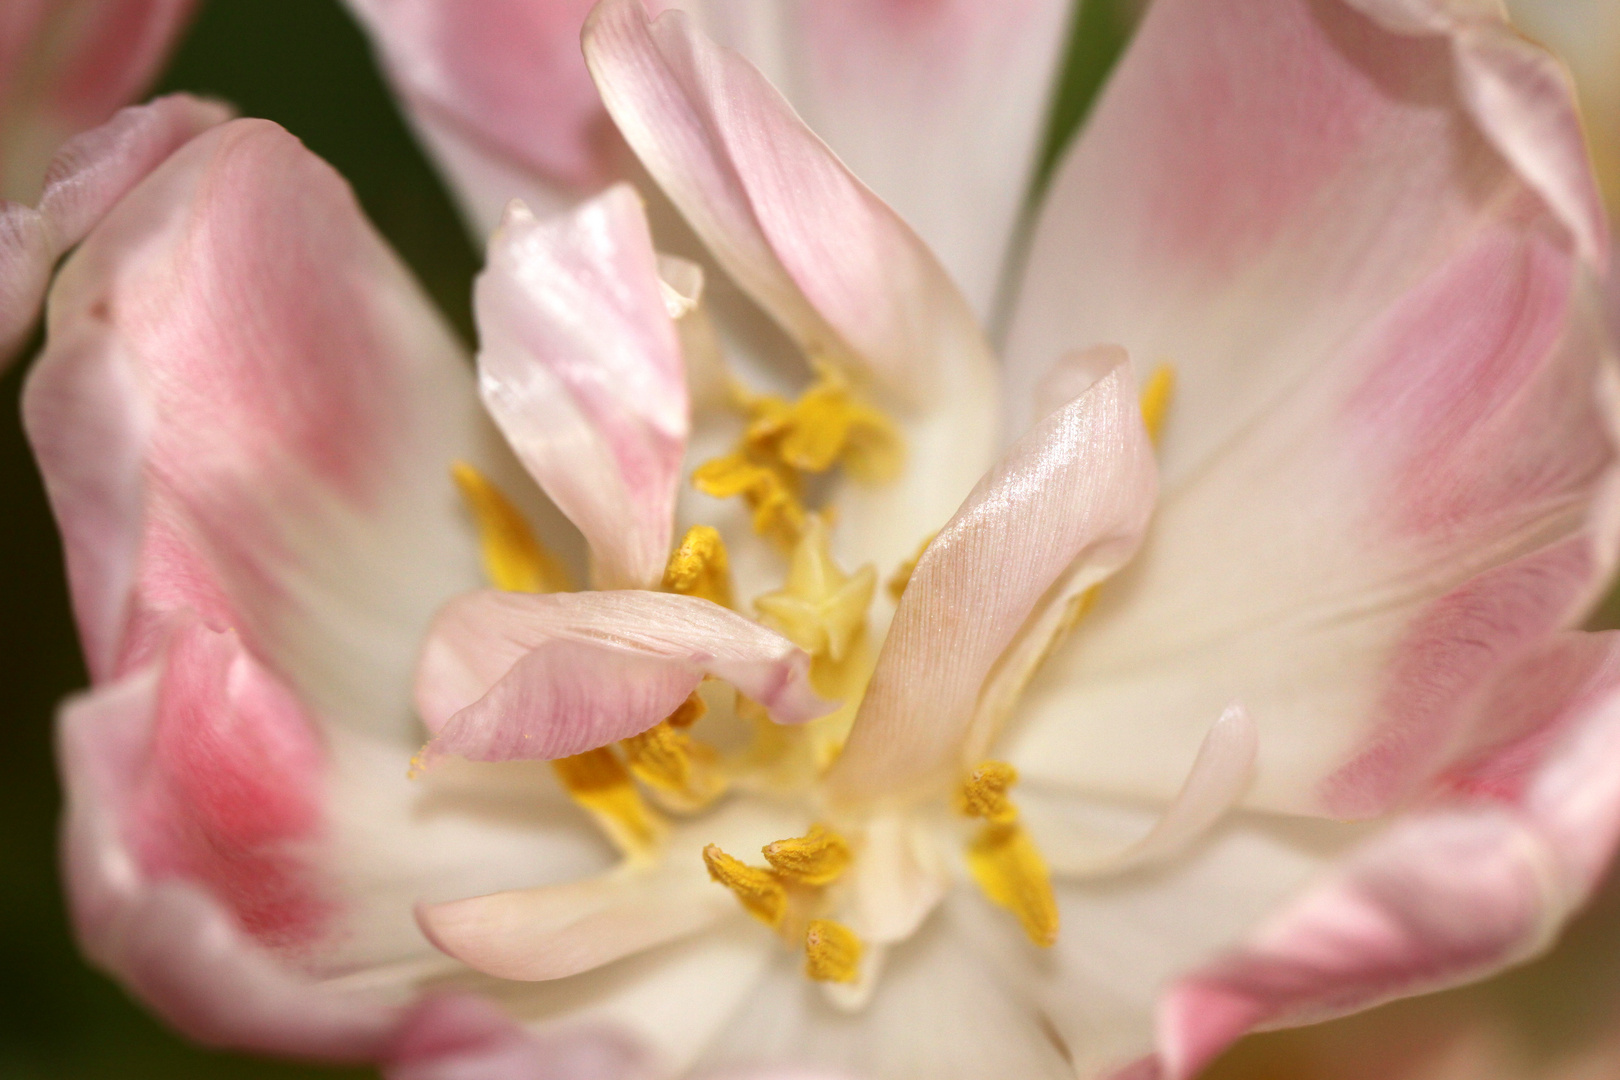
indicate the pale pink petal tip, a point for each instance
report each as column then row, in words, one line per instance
column 581, row 366
column 89, row 174
column 509, row 675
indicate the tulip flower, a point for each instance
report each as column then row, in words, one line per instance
column 65, row 68
column 1204, row 656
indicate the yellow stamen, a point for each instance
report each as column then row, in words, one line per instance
column 771, row 493
column 667, row 760
column 827, row 426
column 699, row 567
column 514, row 559
column 902, row 574
column 821, row 609
column 759, row 891
column 689, row 712
column 984, row 793
column 818, row 858
column 1009, row 868
column 598, row 782
column 1156, row 399
column 832, row 952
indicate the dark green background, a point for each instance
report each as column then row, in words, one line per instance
column 303, row 64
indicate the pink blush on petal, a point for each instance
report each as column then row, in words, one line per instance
column 231, row 789
column 1458, row 642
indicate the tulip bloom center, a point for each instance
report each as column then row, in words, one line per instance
column 853, row 866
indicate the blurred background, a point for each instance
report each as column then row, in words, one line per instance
column 304, row 64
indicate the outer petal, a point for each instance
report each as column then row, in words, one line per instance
column 815, row 249
column 1064, row 509
column 172, row 820
column 509, row 675
column 581, row 366
column 66, row 66
column 245, row 414
column 273, row 408
column 87, row 176
column 502, row 100
column 1388, row 469
column 1452, row 892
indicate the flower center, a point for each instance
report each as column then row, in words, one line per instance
column 822, row 608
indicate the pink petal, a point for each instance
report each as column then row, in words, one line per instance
column 86, row 177
column 935, row 106
column 1064, row 509
column 508, row 675
column 815, row 248
column 201, row 769
column 1448, row 894
column 246, row 408
column 66, row 66
column 503, row 100
column 1389, row 463
column 581, row 367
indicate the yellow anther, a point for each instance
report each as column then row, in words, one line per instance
column 759, row 891
column 832, row 952
column 1156, row 399
column 598, row 782
column 1009, row 868
column 828, row 425
column 902, row 574
column 821, row 609
column 514, row 559
column 819, row 857
column 771, row 493
column 689, row 712
column 984, row 793
column 683, row 771
column 699, row 566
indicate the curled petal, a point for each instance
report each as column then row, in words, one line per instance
column 580, row 364
column 508, row 675
column 87, row 176
column 1219, row 776
column 1064, row 509
column 562, row 930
